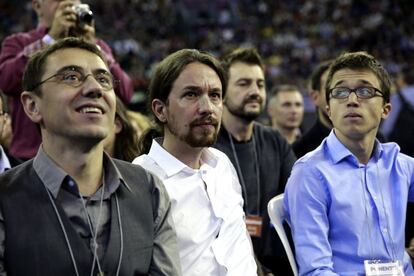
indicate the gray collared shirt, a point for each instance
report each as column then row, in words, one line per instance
column 79, row 208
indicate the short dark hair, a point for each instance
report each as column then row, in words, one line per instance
column 170, row 68
column 35, row 67
column 282, row 88
column 315, row 79
column 245, row 55
column 360, row 60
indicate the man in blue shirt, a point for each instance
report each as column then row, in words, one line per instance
column 346, row 200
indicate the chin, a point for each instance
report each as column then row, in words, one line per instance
column 203, row 141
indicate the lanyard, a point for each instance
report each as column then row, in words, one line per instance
column 239, row 172
column 62, row 226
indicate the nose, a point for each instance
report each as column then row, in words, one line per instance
column 205, row 105
column 91, row 87
column 353, row 99
column 255, row 89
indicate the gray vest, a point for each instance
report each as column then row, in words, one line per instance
column 35, row 243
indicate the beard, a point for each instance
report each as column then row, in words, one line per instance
column 239, row 111
column 204, row 138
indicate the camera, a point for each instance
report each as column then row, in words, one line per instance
column 84, row 14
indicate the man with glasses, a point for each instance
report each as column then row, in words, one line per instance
column 73, row 210
column 346, row 200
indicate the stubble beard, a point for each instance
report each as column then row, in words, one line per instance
column 204, row 138
column 240, row 112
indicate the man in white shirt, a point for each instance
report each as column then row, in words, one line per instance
column 186, row 94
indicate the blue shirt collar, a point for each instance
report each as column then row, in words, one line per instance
column 338, row 152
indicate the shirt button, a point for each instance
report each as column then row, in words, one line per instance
column 385, row 230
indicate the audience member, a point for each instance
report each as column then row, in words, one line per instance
column 56, row 20
column 122, row 141
column 89, row 214
column 186, row 98
column 323, row 125
column 395, row 128
column 285, row 109
column 346, row 201
column 262, row 157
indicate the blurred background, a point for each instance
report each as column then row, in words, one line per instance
column 292, row 36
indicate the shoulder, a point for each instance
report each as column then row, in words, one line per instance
column 220, row 156
column 391, row 154
column 267, row 134
column 145, row 161
column 24, row 37
column 133, row 173
column 14, row 179
column 314, row 160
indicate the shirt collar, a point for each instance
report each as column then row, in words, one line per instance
column 53, row 176
column 338, row 151
column 171, row 165
column 4, row 161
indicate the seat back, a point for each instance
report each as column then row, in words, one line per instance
column 277, row 217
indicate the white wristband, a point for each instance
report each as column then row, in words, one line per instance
column 48, row 40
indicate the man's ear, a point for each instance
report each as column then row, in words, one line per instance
column 159, row 110
column 314, row 96
column 118, row 125
column 30, row 102
column 328, row 110
column 386, row 109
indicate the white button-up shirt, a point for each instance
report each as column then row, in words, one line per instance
column 207, row 212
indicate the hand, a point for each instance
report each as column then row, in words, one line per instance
column 64, row 20
column 87, row 32
column 5, row 130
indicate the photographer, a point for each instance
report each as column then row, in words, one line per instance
column 56, row 20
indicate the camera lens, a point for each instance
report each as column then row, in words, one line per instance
column 86, row 17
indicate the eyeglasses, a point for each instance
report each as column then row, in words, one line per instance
column 361, row 92
column 75, row 77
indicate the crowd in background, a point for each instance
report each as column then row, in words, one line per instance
column 292, row 36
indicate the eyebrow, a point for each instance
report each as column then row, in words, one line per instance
column 81, row 70
column 199, row 89
column 249, row 79
column 359, row 80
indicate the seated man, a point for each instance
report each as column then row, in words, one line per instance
column 186, row 95
column 346, row 200
column 72, row 210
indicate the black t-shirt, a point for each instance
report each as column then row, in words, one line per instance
column 275, row 160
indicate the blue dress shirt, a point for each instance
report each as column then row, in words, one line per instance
column 343, row 212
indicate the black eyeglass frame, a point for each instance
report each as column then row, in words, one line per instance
column 355, row 90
